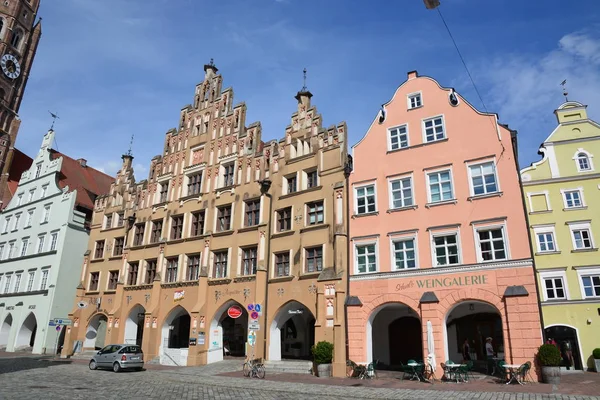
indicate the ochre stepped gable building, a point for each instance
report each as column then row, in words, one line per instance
column 223, row 220
column 439, row 243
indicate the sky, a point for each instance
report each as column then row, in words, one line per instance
column 116, row 68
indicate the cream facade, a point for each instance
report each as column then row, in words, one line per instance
column 224, row 220
column 562, row 194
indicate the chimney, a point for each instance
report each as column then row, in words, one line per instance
column 412, row 75
column 82, row 162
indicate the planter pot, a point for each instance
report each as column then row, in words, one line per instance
column 597, row 362
column 551, row 375
column 324, row 370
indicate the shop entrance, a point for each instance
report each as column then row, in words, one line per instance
column 134, row 325
column 292, row 333
column 5, row 330
column 228, row 335
column 26, row 335
column 394, row 336
column 175, row 338
column 96, row 332
column 565, row 338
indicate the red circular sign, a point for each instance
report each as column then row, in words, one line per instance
column 234, row 311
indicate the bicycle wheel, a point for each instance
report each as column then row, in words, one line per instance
column 260, row 372
column 247, row 368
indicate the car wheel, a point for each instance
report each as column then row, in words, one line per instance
column 116, row 367
column 93, row 365
column 139, row 369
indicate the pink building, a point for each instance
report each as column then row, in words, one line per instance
column 438, row 235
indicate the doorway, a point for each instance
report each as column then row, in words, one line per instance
column 292, row 333
column 568, row 344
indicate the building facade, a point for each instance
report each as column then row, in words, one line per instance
column 563, row 201
column 223, row 222
column 19, row 38
column 439, row 244
column 41, row 226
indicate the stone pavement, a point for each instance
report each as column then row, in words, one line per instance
column 25, row 377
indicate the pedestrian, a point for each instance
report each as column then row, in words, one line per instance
column 466, row 350
column 489, row 352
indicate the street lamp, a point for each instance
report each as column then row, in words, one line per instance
column 265, row 185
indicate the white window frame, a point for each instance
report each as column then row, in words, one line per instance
column 44, row 190
column 18, row 279
column 41, row 243
column 545, row 193
column 573, row 226
column 304, row 259
column 54, row 240
column 402, row 238
column 17, row 221
column 437, row 171
column 274, row 263
column 363, row 243
column 545, row 229
column 503, row 228
column 424, row 129
column 24, row 247
column 411, row 96
column 361, row 186
column 7, row 283
column 401, row 178
column 447, row 232
column 584, row 272
column 589, row 159
column 397, row 129
column 212, row 263
column 29, row 218
column 44, row 278
column 46, row 213
column 2, row 246
column 30, row 281
column 480, row 164
column 31, row 195
column 19, row 199
column 578, row 190
column 6, row 223
column 286, row 183
column 554, row 274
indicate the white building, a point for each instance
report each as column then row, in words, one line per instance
column 43, row 235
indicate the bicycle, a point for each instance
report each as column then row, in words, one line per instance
column 254, row 368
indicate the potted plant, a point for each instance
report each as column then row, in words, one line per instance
column 596, row 355
column 323, row 354
column 550, row 358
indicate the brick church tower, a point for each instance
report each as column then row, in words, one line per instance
column 19, row 37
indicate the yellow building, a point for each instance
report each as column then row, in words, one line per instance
column 562, row 195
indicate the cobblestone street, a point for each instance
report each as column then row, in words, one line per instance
column 32, row 377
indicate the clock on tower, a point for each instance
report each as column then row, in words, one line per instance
column 19, row 36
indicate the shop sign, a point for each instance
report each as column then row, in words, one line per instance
column 254, row 326
column 192, row 341
column 298, row 311
column 201, row 338
column 178, row 295
column 235, row 312
column 446, row 282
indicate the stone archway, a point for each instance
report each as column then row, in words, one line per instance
column 175, row 337
column 26, row 336
column 292, row 332
column 5, row 330
column 227, row 334
column 134, row 325
column 95, row 333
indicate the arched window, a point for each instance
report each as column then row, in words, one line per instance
column 583, row 162
column 16, row 38
column 1, row 24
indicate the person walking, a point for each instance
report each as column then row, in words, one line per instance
column 466, row 353
column 489, row 352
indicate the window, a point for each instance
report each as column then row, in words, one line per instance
column 292, row 184
column 1, row 251
column 41, row 240
column 11, row 250
column 591, row 285
column 446, row 249
column 17, row 283
column 401, row 193
column 44, row 190
column 172, row 264
column 30, row 281
column 491, row 244
column 440, row 186
column 398, row 137
column 483, row 179
column 17, row 220
column 7, row 284
column 582, row 238
column 365, row 199
column 315, row 212
column 193, row 270
column 133, row 273
column 164, row 192
column 15, row 40
column 194, row 183
column 46, row 214
column 120, row 219
column 312, row 178
column 24, row 246
column 434, row 129
column 99, row 253
column 314, row 259
column 545, row 242
column 414, row 100
column 252, row 212
column 38, row 171
column 29, row 218
column 228, row 174
column 113, row 278
column 150, row 271
column 44, row 280
column 31, row 195
column 224, row 218
column 118, row 248
column 249, row 261
column 404, row 254
column 94, row 281
column 138, row 237
column 176, row 227
column 156, row 233
column 366, row 258
column 284, row 219
column 572, row 199
column 583, row 162
column 282, row 264
column 19, row 199
column 554, row 288
column 220, row 264
column 197, row 223
column 6, row 224
column 108, row 221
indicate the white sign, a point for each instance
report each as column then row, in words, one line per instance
column 299, row 311
column 251, row 338
column 254, row 326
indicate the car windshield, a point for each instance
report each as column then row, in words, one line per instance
column 131, row 349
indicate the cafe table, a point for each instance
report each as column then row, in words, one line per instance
column 512, row 370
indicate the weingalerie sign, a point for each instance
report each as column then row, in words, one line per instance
column 447, row 282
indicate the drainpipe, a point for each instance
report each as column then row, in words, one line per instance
column 347, row 170
column 265, row 185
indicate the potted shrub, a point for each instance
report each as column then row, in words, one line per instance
column 323, row 354
column 550, row 358
column 596, row 355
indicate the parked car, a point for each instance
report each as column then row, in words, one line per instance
column 118, row 357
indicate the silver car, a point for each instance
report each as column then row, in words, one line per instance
column 118, row 357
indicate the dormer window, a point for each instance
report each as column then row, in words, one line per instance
column 414, row 100
column 584, row 163
column 38, row 170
